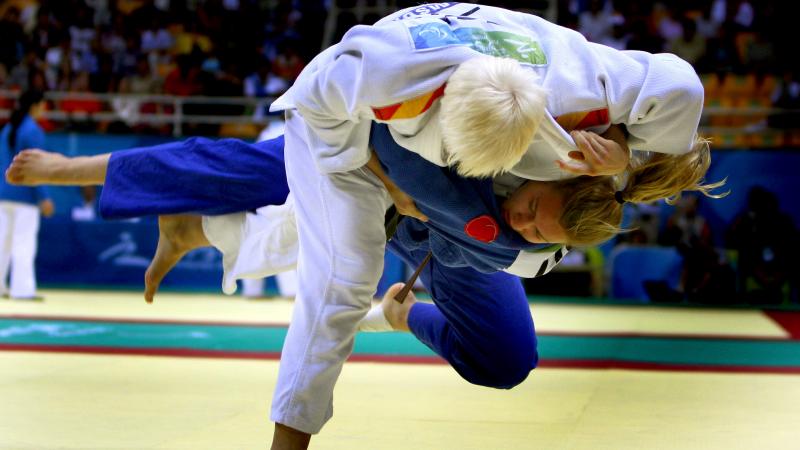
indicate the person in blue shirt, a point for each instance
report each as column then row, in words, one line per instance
column 20, row 206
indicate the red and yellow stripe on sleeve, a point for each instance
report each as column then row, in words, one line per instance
column 583, row 119
column 409, row 108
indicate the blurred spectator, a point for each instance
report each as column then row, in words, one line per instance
column 282, row 27
column 85, row 212
column 141, row 81
column 102, row 13
column 705, row 277
column 641, row 38
column 706, row 22
column 721, row 53
column 766, row 242
column 743, row 13
column 227, row 80
column 787, row 96
column 264, row 83
column 46, row 33
column 185, row 78
column 619, row 35
column 21, row 74
column 124, row 61
column 86, row 60
column 82, row 35
column 596, row 22
column 103, row 80
column 156, row 37
column 288, row 64
column 113, row 43
column 54, row 58
column 643, row 224
column 759, row 52
column 20, row 207
column 36, row 79
column 188, row 37
column 686, row 225
column 690, row 46
column 669, row 22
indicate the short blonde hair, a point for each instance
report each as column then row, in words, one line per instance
column 490, row 111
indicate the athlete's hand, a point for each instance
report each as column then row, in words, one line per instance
column 405, row 204
column 597, row 155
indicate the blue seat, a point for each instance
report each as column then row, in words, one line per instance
column 631, row 266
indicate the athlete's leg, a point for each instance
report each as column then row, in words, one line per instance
column 196, row 176
column 480, row 323
column 177, row 235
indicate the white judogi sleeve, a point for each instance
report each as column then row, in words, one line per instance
column 371, row 68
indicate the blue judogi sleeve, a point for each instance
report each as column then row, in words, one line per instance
column 194, row 177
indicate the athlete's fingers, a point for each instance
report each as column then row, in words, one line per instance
column 595, row 150
column 584, row 147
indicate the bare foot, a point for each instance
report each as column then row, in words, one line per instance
column 397, row 313
column 177, row 235
column 34, row 167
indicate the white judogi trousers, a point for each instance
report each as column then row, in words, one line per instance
column 19, row 228
column 341, row 245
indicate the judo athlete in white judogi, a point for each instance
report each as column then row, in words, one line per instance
column 391, row 73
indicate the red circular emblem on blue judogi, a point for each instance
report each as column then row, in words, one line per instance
column 483, row 228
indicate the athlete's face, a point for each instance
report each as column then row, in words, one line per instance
column 534, row 211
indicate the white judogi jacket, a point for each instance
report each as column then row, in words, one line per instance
column 394, row 71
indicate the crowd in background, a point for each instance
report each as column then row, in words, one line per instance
column 212, row 48
column 257, row 48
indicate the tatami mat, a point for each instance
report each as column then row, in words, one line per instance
column 53, row 401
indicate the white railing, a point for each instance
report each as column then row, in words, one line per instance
column 181, row 111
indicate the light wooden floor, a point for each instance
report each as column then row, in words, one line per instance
column 75, row 401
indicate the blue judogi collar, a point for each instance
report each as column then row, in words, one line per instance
column 462, row 211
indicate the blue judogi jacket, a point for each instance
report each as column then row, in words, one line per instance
column 451, row 202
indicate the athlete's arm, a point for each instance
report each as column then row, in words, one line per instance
column 403, row 202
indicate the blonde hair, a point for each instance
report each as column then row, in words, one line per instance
column 591, row 212
column 490, row 111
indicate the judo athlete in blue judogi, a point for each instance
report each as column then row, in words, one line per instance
column 480, row 321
